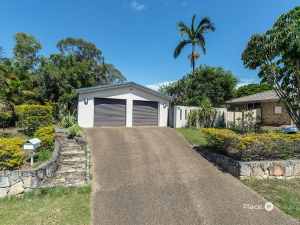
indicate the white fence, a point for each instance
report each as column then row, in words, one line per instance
column 178, row 115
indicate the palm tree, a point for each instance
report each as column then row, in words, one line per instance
column 193, row 36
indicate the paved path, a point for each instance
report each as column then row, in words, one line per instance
column 151, row 176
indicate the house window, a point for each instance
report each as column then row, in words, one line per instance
column 186, row 114
column 278, row 110
column 180, row 111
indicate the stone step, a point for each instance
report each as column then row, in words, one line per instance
column 71, row 149
column 72, row 154
column 72, row 160
column 70, row 145
column 70, row 171
column 71, row 167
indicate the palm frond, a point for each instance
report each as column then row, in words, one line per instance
column 193, row 23
column 204, row 25
column 180, row 46
column 184, row 29
column 201, row 42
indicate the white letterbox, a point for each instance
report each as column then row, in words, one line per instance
column 32, row 144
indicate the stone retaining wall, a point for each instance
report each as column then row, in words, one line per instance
column 14, row 182
column 258, row 169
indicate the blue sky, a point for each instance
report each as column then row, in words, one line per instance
column 139, row 36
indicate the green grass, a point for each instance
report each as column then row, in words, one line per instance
column 53, row 206
column 285, row 194
column 193, row 136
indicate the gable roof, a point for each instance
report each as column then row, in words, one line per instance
column 258, row 97
column 122, row 85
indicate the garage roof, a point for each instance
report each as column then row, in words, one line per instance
column 121, row 85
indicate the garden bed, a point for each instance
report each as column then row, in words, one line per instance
column 265, row 155
column 257, row 169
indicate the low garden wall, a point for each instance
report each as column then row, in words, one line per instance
column 14, row 182
column 257, row 169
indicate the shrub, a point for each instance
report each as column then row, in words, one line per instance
column 11, row 153
column 272, row 145
column 68, row 120
column 46, row 135
column 193, row 119
column 6, row 119
column 254, row 146
column 43, row 155
column 205, row 116
column 219, row 138
column 31, row 117
column 74, row 131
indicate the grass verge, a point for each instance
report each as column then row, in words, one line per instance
column 285, row 194
column 193, row 136
column 63, row 206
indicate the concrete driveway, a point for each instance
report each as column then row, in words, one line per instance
column 152, row 176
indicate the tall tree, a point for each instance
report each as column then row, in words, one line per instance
column 193, row 36
column 26, row 51
column 78, row 64
column 276, row 54
column 213, row 83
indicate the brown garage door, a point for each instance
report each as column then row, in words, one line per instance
column 145, row 113
column 110, row 112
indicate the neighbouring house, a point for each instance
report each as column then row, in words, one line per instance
column 178, row 115
column 122, row 105
column 265, row 108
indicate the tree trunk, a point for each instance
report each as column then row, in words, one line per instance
column 193, row 58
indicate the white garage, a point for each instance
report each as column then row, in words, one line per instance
column 122, row 105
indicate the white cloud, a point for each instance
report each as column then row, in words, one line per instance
column 137, row 6
column 158, row 85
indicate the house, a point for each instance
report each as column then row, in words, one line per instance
column 122, row 105
column 265, row 108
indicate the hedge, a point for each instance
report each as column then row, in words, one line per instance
column 46, row 135
column 254, row 146
column 32, row 116
column 11, row 153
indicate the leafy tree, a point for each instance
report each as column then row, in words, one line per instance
column 29, row 77
column 78, row 64
column 251, row 89
column 194, row 36
column 213, row 83
column 276, row 54
column 26, row 51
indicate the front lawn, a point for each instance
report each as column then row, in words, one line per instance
column 63, row 206
column 285, row 194
column 193, row 136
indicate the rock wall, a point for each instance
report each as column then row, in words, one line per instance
column 258, row 169
column 14, row 182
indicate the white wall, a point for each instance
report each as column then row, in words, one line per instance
column 163, row 114
column 182, row 121
column 86, row 112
